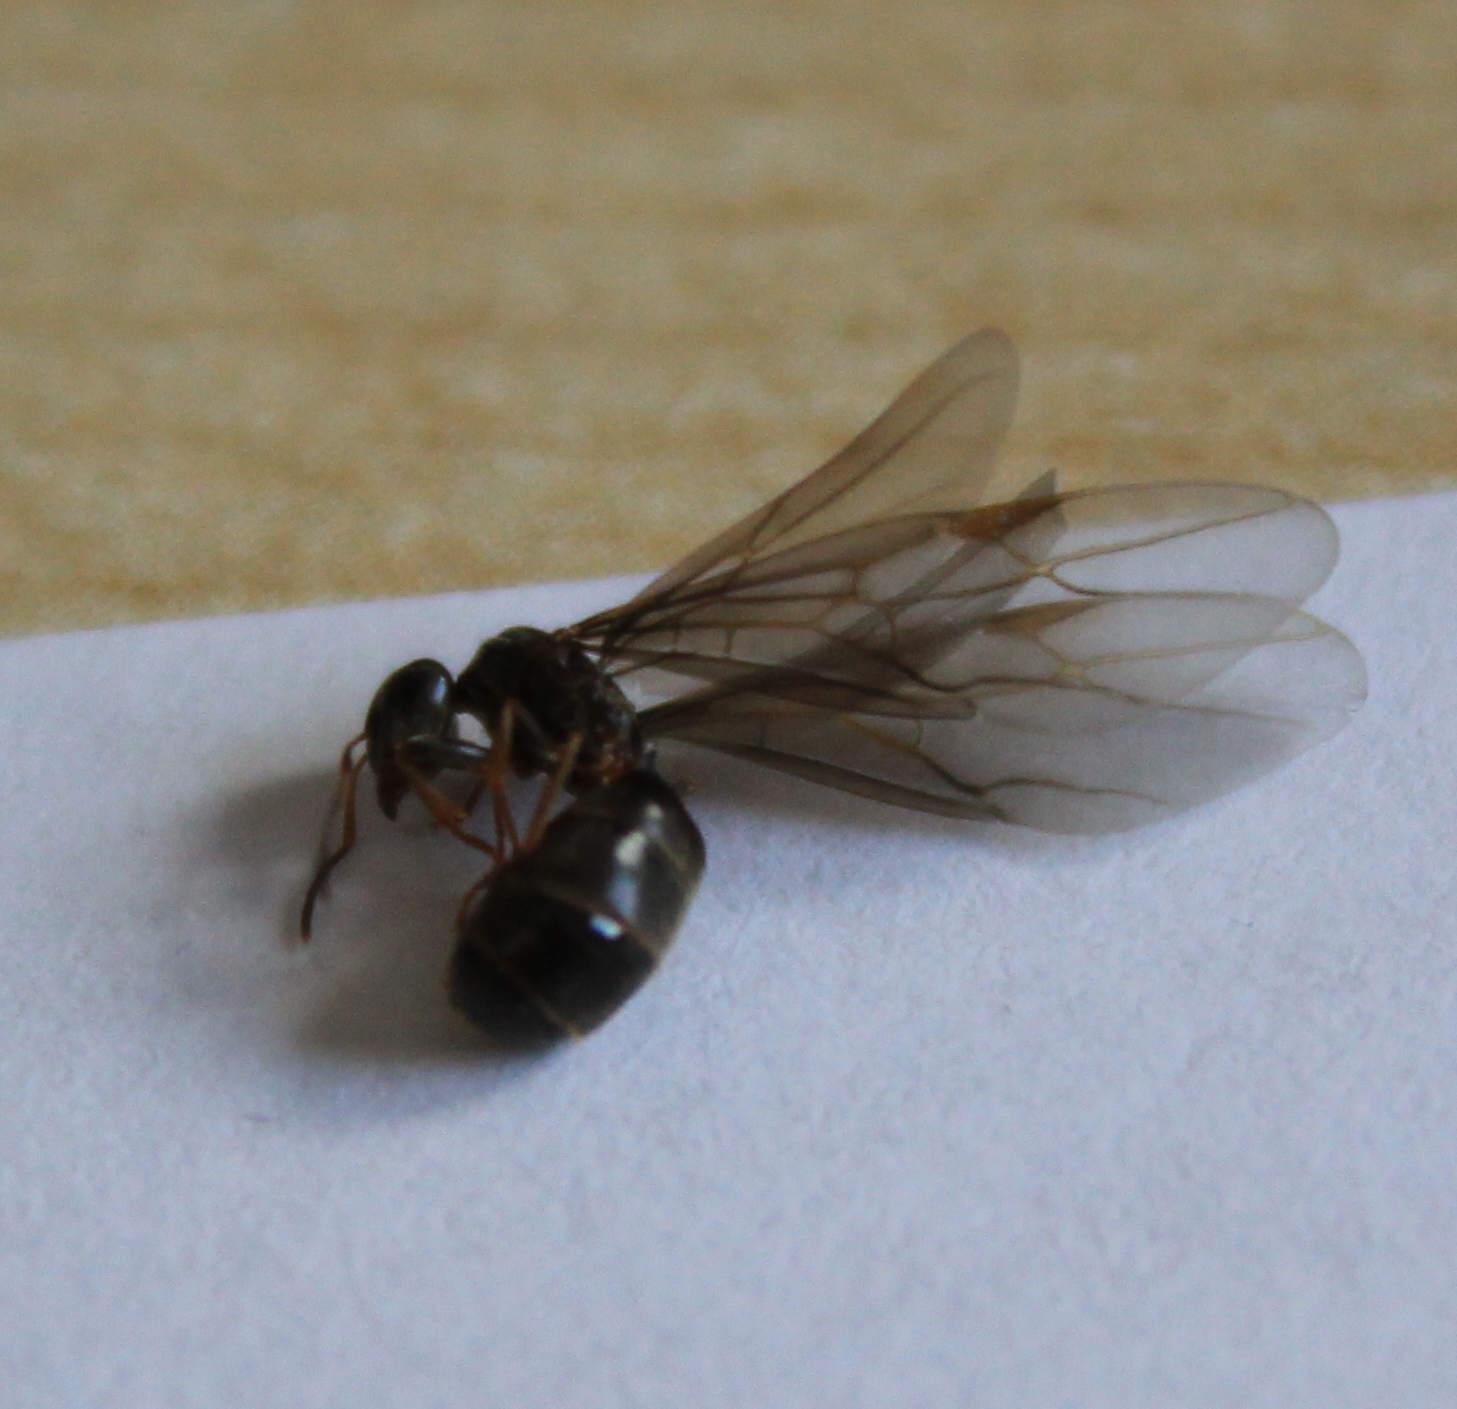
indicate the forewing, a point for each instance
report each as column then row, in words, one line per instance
column 927, row 606
column 1123, row 746
column 1083, row 663
column 931, row 450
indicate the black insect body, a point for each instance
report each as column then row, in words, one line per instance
column 560, row 698
column 567, row 930
column 1078, row 662
column 414, row 706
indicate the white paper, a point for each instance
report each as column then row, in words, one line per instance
column 916, row 1113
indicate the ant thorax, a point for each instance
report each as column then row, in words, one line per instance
column 558, row 697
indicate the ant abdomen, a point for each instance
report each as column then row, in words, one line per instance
column 567, row 930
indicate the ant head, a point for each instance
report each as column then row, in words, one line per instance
column 415, row 702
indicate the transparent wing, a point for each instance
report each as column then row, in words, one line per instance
column 904, row 605
column 1085, row 662
column 1081, row 662
column 930, row 451
column 1086, row 723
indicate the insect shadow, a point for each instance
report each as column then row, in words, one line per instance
column 371, row 990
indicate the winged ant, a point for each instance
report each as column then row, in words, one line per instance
column 1079, row 662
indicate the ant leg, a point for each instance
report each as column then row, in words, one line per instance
column 489, row 776
column 495, row 779
column 473, row 797
column 505, row 823
column 419, row 759
column 346, row 790
column 468, row 899
column 441, row 808
column 552, row 791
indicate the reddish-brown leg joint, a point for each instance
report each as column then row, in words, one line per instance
column 347, row 791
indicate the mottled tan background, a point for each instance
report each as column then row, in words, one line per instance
column 307, row 301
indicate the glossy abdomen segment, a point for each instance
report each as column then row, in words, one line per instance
column 566, row 932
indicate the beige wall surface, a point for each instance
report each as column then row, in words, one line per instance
column 309, row 301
